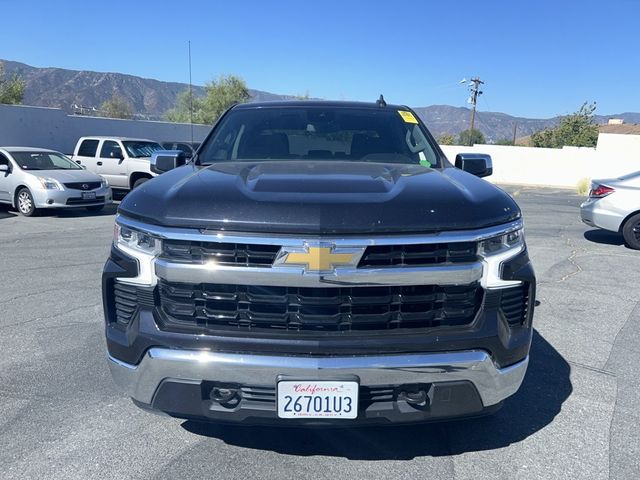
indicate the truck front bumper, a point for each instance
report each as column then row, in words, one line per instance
column 180, row 383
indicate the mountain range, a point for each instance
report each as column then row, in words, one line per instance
column 149, row 98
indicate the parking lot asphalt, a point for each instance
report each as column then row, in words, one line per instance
column 576, row 415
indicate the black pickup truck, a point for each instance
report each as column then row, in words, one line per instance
column 319, row 263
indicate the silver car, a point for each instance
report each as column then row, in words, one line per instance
column 34, row 178
column 614, row 204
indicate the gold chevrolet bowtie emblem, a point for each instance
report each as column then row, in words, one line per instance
column 319, row 259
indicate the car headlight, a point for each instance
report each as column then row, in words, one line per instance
column 104, row 183
column 129, row 240
column 49, row 183
column 495, row 251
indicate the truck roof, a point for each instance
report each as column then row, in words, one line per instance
column 114, row 137
column 318, row 103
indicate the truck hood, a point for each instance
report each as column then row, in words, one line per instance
column 319, row 198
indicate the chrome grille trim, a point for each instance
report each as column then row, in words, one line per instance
column 457, row 274
column 339, row 241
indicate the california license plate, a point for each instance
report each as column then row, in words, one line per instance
column 322, row 399
column 88, row 195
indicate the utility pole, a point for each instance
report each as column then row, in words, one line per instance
column 515, row 130
column 474, row 89
column 190, row 96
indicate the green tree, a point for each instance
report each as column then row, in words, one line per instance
column 220, row 95
column 303, row 97
column 577, row 130
column 116, row 107
column 470, row 137
column 11, row 89
column 504, row 141
column 446, row 139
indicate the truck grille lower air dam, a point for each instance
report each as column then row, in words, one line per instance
column 211, row 307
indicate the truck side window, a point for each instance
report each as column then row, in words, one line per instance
column 88, row 148
column 109, row 147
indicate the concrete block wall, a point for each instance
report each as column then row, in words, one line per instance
column 53, row 128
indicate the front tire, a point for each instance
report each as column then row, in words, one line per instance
column 25, row 203
column 139, row 182
column 631, row 232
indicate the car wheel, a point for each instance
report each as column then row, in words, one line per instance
column 24, row 202
column 139, row 182
column 95, row 208
column 631, row 232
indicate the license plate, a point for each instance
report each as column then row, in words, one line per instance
column 88, row 195
column 323, row 399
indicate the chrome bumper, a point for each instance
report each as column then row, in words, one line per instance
column 493, row 384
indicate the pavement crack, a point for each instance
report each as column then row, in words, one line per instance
column 49, row 317
column 593, row 369
column 572, row 259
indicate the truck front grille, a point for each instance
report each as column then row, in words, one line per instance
column 256, row 255
column 419, row 255
column 211, row 307
column 245, row 255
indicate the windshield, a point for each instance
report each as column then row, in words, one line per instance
column 137, row 149
column 44, row 161
column 320, row 133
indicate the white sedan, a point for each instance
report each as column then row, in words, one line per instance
column 35, row 178
column 614, row 205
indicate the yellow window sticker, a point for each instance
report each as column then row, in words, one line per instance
column 407, row 116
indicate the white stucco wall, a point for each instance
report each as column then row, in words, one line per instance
column 53, row 128
column 614, row 155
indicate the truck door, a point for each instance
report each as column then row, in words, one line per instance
column 111, row 164
column 86, row 154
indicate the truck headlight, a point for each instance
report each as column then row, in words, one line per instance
column 129, row 240
column 49, row 183
column 495, row 251
column 141, row 246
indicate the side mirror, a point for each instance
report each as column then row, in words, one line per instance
column 4, row 169
column 116, row 154
column 165, row 160
column 478, row 164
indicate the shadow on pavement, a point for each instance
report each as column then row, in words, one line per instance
column 539, row 400
column 6, row 211
column 605, row 237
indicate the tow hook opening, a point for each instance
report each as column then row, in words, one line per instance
column 418, row 396
column 228, row 396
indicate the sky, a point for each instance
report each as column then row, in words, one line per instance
column 538, row 59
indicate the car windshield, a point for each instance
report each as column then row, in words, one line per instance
column 321, row 133
column 138, row 149
column 44, row 161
